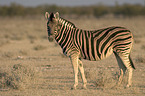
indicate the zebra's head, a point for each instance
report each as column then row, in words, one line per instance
column 52, row 21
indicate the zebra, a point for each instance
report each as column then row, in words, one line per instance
column 91, row 45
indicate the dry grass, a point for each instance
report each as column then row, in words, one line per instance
column 32, row 64
column 104, row 79
column 23, row 52
column 140, row 59
column 19, row 77
column 8, row 54
column 4, row 42
column 39, row 47
column 143, row 47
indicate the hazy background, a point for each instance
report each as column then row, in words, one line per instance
column 70, row 2
column 95, row 8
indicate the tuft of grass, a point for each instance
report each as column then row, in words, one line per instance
column 23, row 52
column 39, row 47
column 3, row 42
column 137, row 41
column 88, row 75
column 143, row 47
column 19, row 77
column 3, row 79
column 140, row 59
column 44, row 37
column 105, row 80
column 16, row 37
column 8, row 54
column 32, row 38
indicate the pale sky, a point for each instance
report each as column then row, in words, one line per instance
column 69, row 2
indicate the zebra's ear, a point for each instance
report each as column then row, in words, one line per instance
column 56, row 15
column 47, row 15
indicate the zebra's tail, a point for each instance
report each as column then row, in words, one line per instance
column 132, row 65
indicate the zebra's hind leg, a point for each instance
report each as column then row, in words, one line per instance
column 129, row 65
column 82, row 74
column 122, row 68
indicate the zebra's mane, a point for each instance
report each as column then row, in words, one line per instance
column 68, row 22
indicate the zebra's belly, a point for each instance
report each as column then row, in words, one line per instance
column 94, row 56
column 107, row 54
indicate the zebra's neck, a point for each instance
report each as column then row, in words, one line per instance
column 62, row 25
column 66, row 23
column 65, row 30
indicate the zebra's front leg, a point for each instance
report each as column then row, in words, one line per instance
column 82, row 74
column 74, row 61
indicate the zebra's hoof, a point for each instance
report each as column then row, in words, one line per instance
column 84, row 87
column 128, row 85
column 73, row 88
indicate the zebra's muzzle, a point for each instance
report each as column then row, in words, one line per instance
column 50, row 39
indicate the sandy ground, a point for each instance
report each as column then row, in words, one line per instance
column 24, row 42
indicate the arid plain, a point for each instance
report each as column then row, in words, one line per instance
column 30, row 65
